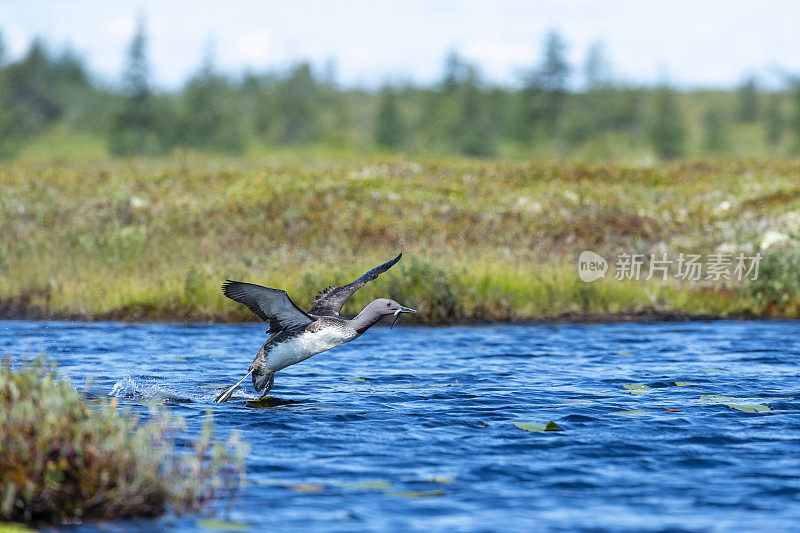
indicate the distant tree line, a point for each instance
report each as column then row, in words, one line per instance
column 462, row 114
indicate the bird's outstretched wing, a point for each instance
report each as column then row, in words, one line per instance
column 330, row 301
column 271, row 305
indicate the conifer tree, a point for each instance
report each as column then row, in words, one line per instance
column 388, row 126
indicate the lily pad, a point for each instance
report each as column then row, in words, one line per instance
column 221, row 525
column 549, row 426
column 626, row 354
column 365, row 380
column 308, row 488
column 716, row 398
column 635, row 386
column 752, row 408
column 418, row 493
column 370, row 484
column 686, row 383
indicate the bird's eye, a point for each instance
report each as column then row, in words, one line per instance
column 388, row 305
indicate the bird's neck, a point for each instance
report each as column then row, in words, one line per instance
column 365, row 320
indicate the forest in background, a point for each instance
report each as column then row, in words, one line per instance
column 52, row 106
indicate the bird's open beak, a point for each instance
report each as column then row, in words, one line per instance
column 398, row 312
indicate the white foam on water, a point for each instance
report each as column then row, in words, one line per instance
column 129, row 387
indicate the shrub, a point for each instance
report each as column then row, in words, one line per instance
column 432, row 289
column 65, row 458
column 778, row 285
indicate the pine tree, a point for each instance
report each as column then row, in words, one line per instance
column 794, row 121
column 134, row 128
column 454, row 72
column 388, row 126
column 210, row 117
column 36, row 92
column 553, row 78
column 716, row 130
column 474, row 134
column 596, row 69
column 540, row 102
column 667, row 126
column 297, row 105
column 748, row 100
column 773, row 120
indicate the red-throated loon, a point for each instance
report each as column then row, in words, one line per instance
column 296, row 335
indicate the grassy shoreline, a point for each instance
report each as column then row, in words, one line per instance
column 482, row 240
column 12, row 311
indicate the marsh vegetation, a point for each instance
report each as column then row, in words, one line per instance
column 153, row 239
column 66, row 457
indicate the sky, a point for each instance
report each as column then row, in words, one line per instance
column 692, row 44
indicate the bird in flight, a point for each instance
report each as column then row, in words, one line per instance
column 296, row 335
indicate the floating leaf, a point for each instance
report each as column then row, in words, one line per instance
column 368, row 485
column 365, row 380
column 709, row 396
column 686, row 383
column 752, row 408
column 418, row 493
column 716, row 398
column 221, row 525
column 629, row 412
column 549, row 426
column 308, row 488
column 636, row 386
column 626, row 354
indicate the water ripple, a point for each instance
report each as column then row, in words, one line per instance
column 663, row 427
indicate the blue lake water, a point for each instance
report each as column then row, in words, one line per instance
column 413, row 429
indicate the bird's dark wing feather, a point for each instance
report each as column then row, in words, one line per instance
column 330, row 301
column 271, row 305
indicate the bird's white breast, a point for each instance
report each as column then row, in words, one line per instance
column 304, row 346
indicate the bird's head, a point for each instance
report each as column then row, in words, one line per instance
column 385, row 306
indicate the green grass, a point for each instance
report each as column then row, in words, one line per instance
column 64, row 457
column 494, row 240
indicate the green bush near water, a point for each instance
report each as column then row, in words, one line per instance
column 65, row 458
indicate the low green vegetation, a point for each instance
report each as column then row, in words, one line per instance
column 65, row 458
column 482, row 239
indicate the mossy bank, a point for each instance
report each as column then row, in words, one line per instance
column 482, row 240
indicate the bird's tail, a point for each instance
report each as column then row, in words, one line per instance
column 227, row 394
